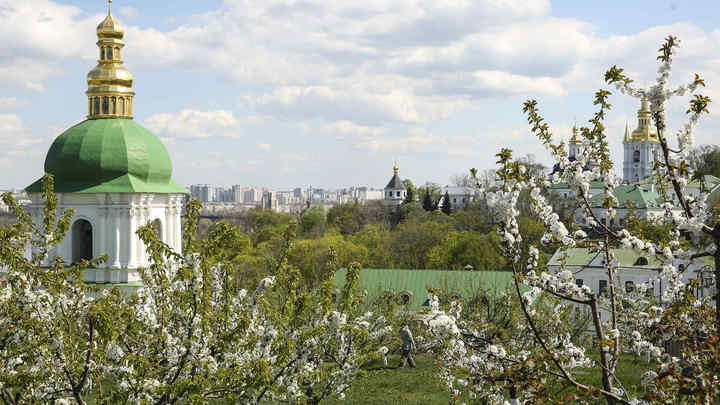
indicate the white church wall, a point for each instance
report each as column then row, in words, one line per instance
column 114, row 219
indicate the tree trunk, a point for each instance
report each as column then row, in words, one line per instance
column 716, row 257
column 606, row 377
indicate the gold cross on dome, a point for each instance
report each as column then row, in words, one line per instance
column 109, row 6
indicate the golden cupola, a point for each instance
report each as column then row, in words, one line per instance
column 575, row 139
column 644, row 131
column 110, row 86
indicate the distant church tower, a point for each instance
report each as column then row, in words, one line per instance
column 114, row 173
column 574, row 145
column 641, row 147
column 395, row 191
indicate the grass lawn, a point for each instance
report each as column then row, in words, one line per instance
column 391, row 385
column 629, row 370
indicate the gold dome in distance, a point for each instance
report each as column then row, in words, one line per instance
column 645, row 130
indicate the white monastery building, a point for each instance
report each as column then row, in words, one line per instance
column 115, row 175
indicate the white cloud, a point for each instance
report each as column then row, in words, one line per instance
column 193, row 124
column 128, row 12
column 417, row 140
column 36, row 35
column 378, row 61
column 367, row 106
column 264, row 146
column 406, row 61
column 503, row 82
column 11, row 102
column 350, row 130
column 16, row 142
column 10, row 125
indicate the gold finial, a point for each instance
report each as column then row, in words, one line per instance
column 395, row 168
column 644, row 104
column 110, row 93
column 574, row 139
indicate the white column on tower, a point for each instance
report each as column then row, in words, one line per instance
column 100, row 233
column 132, row 220
column 125, row 236
column 168, row 228
column 177, row 225
column 114, row 234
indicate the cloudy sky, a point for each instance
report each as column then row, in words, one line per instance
column 286, row 93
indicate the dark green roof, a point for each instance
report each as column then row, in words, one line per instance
column 624, row 257
column 109, row 156
column 583, row 256
column 640, row 196
column 461, row 282
column 593, row 185
column 395, row 182
column 708, row 181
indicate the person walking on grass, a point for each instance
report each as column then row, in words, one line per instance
column 408, row 345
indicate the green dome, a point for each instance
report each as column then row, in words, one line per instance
column 109, row 156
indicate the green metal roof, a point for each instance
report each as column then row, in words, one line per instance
column 640, row 196
column 624, row 257
column 461, row 282
column 110, row 285
column 583, row 256
column 593, row 185
column 708, row 181
column 109, row 156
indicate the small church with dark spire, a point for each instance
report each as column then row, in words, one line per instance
column 395, row 191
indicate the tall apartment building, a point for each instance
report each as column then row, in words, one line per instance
column 252, row 195
column 203, row 192
column 238, row 192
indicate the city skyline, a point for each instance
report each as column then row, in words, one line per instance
column 339, row 98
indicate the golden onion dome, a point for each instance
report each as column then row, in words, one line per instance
column 575, row 139
column 645, row 130
column 110, row 86
column 110, row 28
column 110, row 75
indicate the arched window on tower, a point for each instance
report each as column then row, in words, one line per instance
column 96, row 109
column 636, row 156
column 102, row 53
column 106, row 105
column 121, row 107
column 108, row 53
column 82, row 241
column 113, row 110
column 117, row 53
